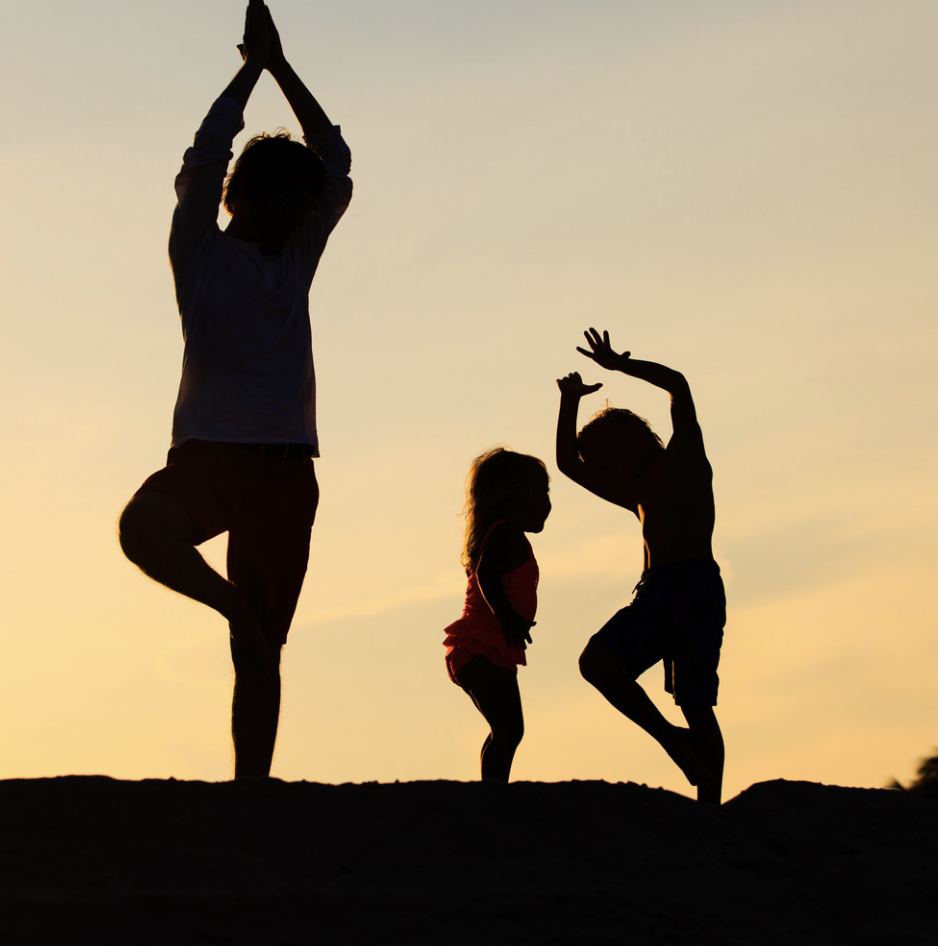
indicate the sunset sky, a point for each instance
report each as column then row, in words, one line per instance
column 745, row 191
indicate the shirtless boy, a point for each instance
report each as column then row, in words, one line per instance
column 678, row 610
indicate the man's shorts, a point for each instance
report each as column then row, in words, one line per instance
column 267, row 507
column 676, row 616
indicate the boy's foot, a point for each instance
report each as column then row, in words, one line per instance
column 710, row 792
column 681, row 751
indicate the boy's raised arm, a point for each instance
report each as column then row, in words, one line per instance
column 569, row 462
column 603, row 354
column 683, row 412
column 572, row 389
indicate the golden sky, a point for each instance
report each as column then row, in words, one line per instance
column 744, row 191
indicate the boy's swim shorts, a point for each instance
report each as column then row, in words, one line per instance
column 676, row 615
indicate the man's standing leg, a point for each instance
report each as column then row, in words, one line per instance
column 255, row 714
column 268, row 551
column 160, row 535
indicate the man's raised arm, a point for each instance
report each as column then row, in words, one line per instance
column 309, row 113
column 256, row 49
column 319, row 133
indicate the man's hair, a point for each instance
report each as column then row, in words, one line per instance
column 615, row 417
column 273, row 164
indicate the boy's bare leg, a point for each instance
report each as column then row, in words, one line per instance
column 494, row 691
column 707, row 740
column 604, row 670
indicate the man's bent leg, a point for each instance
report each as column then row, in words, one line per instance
column 159, row 536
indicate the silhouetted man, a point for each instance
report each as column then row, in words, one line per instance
column 244, row 427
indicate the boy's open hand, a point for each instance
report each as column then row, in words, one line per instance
column 572, row 385
column 602, row 352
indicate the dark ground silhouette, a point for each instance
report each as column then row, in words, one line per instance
column 94, row 860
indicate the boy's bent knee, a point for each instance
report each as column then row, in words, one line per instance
column 597, row 664
column 131, row 532
column 590, row 664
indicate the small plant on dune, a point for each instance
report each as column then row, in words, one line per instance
column 926, row 781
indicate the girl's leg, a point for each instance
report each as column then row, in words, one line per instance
column 494, row 691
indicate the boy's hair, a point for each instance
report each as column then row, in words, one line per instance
column 273, row 164
column 497, row 478
column 618, row 417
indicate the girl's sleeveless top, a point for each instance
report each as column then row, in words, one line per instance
column 479, row 631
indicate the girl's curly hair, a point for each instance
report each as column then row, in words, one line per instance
column 497, row 479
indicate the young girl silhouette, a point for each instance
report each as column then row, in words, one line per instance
column 506, row 496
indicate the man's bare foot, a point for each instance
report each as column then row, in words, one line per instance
column 681, row 751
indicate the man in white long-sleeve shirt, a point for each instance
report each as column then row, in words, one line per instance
column 244, row 427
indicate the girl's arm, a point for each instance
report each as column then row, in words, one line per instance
column 505, row 550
